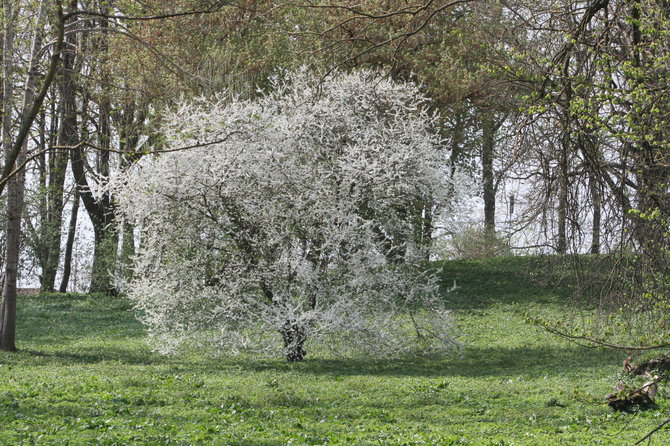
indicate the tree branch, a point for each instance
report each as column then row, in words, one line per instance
column 652, row 432
column 596, row 343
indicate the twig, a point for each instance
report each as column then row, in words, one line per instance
column 597, row 343
column 652, row 432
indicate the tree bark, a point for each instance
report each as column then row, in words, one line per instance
column 651, row 167
column 102, row 217
column 294, row 341
column 14, row 198
column 16, row 183
column 15, row 195
column 106, row 236
column 69, row 244
column 99, row 209
column 40, row 235
column 488, row 147
column 104, row 260
column 562, row 244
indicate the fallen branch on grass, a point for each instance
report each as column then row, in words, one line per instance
column 625, row 399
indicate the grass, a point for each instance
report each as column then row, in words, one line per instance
column 83, row 375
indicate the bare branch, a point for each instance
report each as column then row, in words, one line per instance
column 586, row 341
column 652, row 432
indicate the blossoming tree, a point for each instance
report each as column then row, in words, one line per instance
column 279, row 236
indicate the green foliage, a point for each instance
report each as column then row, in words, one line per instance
column 85, row 376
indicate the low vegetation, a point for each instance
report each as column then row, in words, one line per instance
column 84, row 375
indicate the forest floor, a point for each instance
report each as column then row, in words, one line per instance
column 84, row 375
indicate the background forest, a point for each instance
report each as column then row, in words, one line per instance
column 555, row 111
column 552, row 119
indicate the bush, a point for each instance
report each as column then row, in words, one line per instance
column 472, row 243
column 298, row 227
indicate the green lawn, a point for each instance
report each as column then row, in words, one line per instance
column 85, row 376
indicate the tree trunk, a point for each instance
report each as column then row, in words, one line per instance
column 30, row 112
column 53, row 222
column 457, row 137
column 16, row 183
column 563, row 165
column 101, row 210
column 650, row 232
column 14, row 201
column 294, row 338
column 106, row 236
column 651, row 169
column 562, row 243
column 39, row 247
column 15, row 195
column 72, row 229
column 68, row 135
column 488, row 146
column 563, row 159
column 102, row 217
column 104, row 260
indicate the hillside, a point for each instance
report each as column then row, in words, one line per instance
column 85, row 376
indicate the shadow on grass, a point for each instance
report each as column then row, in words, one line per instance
column 58, row 325
column 475, row 362
column 95, row 355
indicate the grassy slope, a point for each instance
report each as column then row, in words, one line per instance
column 85, row 376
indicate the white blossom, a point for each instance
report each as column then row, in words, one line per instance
column 298, row 232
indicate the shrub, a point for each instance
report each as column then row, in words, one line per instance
column 472, row 243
